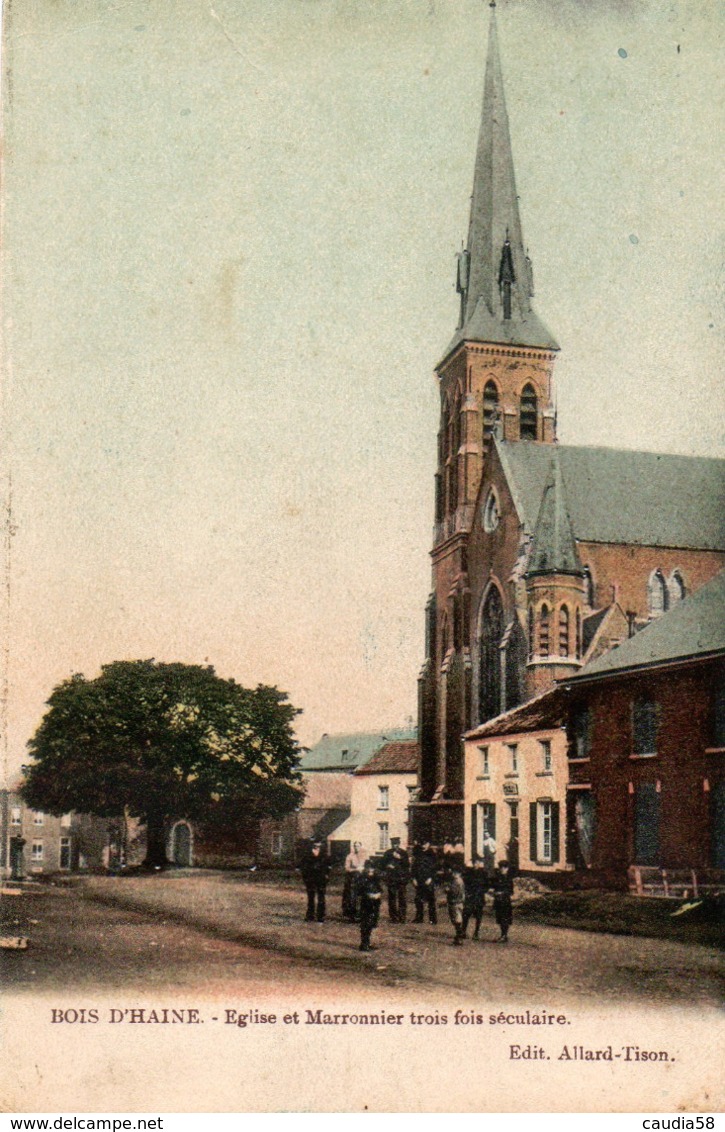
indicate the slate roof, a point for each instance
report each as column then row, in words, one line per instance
column 495, row 223
column 553, row 549
column 348, row 751
column 615, row 495
column 695, row 628
column 394, row 758
column 542, row 713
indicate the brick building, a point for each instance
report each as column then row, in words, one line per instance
column 544, row 556
column 646, row 744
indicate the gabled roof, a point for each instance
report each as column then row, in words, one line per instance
column 615, row 495
column 394, row 758
column 348, row 751
column 543, row 713
column 694, row 629
column 326, row 791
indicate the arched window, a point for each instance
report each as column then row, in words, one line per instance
column 443, row 438
column 563, row 631
column 532, row 625
column 491, row 514
column 657, row 594
column 578, row 635
column 588, row 587
column 544, row 631
column 489, row 674
column 676, row 587
column 490, row 412
column 528, row 423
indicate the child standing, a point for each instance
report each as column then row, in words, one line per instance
column 503, row 889
column 456, row 895
column 370, row 893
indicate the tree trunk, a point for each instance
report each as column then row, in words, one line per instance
column 155, row 842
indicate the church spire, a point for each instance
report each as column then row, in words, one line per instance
column 553, row 547
column 494, row 273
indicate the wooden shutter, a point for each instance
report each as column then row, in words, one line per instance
column 532, row 831
column 554, row 832
column 474, row 830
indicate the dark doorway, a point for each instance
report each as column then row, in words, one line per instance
column 647, row 825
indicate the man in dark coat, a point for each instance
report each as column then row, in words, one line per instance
column 370, row 894
column 503, row 889
column 315, row 869
column 475, row 882
column 425, row 867
column 396, row 870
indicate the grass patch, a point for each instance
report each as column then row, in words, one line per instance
column 619, row 914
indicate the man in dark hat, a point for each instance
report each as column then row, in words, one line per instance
column 315, row 870
column 425, row 867
column 370, row 893
column 396, row 870
column 503, row 889
column 475, row 881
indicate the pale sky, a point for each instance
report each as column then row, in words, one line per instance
column 230, row 231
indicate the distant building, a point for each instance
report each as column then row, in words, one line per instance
column 327, row 773
column 383, row 789
column 34, row 843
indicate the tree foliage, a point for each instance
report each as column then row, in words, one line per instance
column 163, row 741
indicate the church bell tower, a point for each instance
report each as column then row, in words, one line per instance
column 495, row 378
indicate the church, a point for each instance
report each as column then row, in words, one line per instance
column 544, row 556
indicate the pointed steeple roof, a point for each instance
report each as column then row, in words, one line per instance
column 553, row 549
column 495, row 255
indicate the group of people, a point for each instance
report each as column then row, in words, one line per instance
column 427, row 868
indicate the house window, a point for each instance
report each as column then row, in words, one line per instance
column 37, row 851
column 580, row 733
column 545, row 745
column 644, row 727
column 657, row 594
column 647, row 824
column 15, row 817
column 65, row 852
column 514, row 752
column 675, row 588
column 38, row 817
column 718, row 712
column 485, row 766
column 544, row 631
column 277, row 844
column 544, row 832
column 383, row 798
column 563, row 631
column 383, row 836
column 345, row 755
column 528, row 413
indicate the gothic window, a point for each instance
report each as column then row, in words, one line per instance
column 578, row 635
column 532, row 629
column 544, row 631
column 563, row 631
column 489, row 697
column 675, row 587
column 490, row 411
column 491, row 514
column 528, row 414
column 657, row 594
column 588, row 587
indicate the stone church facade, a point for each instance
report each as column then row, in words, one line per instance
column 544, row 556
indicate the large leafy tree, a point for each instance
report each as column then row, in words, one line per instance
column 163, row 741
